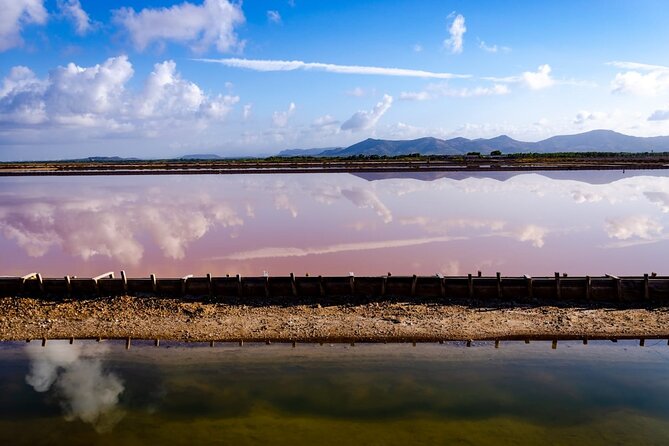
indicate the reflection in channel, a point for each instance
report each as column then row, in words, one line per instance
column 74, row 374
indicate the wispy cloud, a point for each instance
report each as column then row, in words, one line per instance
column 293, row 65
column 493, row 48
column 434, row 91
column 364, row 119
column 288, row 251
column 274, row 17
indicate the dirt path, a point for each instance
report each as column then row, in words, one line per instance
column 149, row 318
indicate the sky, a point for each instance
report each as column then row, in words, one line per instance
column 161, row 79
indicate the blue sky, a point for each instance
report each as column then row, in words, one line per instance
column 164, row 78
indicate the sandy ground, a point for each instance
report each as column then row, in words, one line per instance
column 174, row 319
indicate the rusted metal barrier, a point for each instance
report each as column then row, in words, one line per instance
column 607, row 288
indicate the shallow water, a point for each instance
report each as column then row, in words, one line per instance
column 579, row 222
column 90, row 393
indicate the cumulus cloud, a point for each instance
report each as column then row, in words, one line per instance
column 280, row 118
column 636, row 226
column 73, row 11
column 659, row 198
column 540, row 79
column 456, row 31
column 198, row 26
column 434, row 91
column 659, row 115
column 15, row 15
column 97, row 97
column 364, row 120
column 532, row 233
column 584, row 117
column 274, row 17
column 641, row 79
column 98, row 225
column 292, row 65
column 74, row 374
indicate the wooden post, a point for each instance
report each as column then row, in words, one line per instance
column 294, row 344
column 558, row 291
column 469, row 342
column 351, row 280
column 585, row 341
column 321, row 286
column 293, row 286
column 44, row 341
column 157, row 342
column 266, row 277
column 209, row 288
column 646, row 290
column 527, row 341
column 184, row 279
column 383, row 285
column 125, row 282
column 554, row 344
column 470, row 286
column 239, row 285
column 479, row 273
column 642, row 342
column 241, row 343
column 588, row 288
column 413, row 285
column 127, row 343
column 499, row 285
column 71, row 340
column 619, row 287
column 68, row 285
column 38, row 276
column 442, row 285
column 530, row 291
column 496, row 343
column 154, row 283
column 211, row 343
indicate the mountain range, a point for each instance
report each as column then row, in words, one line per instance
column 593, row 141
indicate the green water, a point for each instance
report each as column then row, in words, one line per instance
column 101, row 394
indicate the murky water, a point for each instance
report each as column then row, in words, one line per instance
column 532, row 223
column 90, row 393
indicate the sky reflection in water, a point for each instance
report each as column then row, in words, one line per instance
column 602, row 393
column 576, row 222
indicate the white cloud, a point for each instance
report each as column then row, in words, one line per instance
column 639, row 226
column 73, row 11
column 659, row 115
column 280, row 118
column 247, row 110
column 289, row 251
column 15, row 15
column 75, row 372
column 357, row 92
column 199, row 26
column 493, row 48
column 363, row 120
column 584, row 117
column 417, row 48
column 540, row 79
column 456, row 31
column 292, row 65
column 274, row 17
column 96, row 97
column 642, row 79
column 532, row 233
column 535, row 80
column 434, row 91
column 366, row 198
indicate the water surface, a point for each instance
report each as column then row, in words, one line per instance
column 90, row 393
column 580, row 222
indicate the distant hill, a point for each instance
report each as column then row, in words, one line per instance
column 103, row 159
column 593, row 141
column 201, row 156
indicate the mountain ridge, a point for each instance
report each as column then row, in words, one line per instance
column 591, row 141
